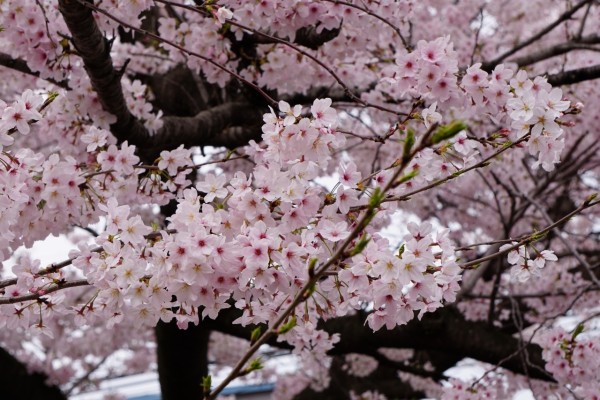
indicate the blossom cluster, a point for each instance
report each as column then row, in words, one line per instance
column 43, row 195
column 513, row 101
column 421, row 278
column 226, row 238
column 359, row 364
column 368, row 395
column 252, row 238
column 464, row 391
column 17, row 116
column 573, row 359
column 525, row 262
column 213, row 247
column 139, row 104
column 33, row 39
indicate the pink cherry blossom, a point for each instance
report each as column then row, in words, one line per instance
column 333, row 231
column 319, row 168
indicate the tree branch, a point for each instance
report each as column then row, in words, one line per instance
column 306, row 36
column 445, row 331
column 575, row 76
column 94, row 50
column 384, row 379
column 17, row 64
column 200, row 130
column 212, row 127
column 309, row 37
column 40, row 295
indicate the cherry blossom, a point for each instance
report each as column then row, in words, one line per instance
column 302, row 169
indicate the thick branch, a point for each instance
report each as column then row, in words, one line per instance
column 6, row 60
column 383, row 379
column 211, row 127
column 94, row 50
column 575, row 76
column 201, row 130
column 444, row 331
column 309, row 37
column 175, row 92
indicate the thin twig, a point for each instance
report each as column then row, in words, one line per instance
column 458, row 173
column 39, row 295
column 568, row 244
column 533, row 236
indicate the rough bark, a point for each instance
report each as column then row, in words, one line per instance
column 204, row 129
column 94, row 50
column 181, row 93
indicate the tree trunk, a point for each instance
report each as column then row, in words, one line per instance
column 18, row 384
column 182, row 360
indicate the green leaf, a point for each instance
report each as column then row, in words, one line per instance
column 360, row 246
column 41, row 204
column 309, row 291
column 256, row 332
column 311, row 267
column 408, row 143
column 446, row 132
column 591, row 198
column 206, row 383
column 288, row 326
column 401, row 250
column 376, row 198
column 255, row 365
column 578, row 329
column 407, row 177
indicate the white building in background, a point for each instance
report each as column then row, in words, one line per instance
column 146, row 387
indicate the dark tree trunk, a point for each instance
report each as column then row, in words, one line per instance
column 18, row 384
column 182, row 360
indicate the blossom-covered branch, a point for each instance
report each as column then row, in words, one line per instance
column 205, row 129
